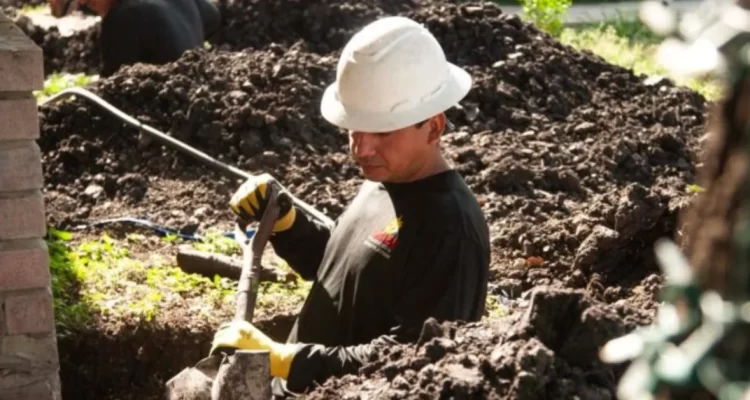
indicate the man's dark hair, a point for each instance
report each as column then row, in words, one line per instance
column 448, row 124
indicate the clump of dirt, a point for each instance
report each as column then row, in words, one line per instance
column 579, row 165
column 550, row 351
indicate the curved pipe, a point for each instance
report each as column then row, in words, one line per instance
column 178, row 145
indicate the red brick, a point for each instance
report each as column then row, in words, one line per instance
column 29, row 313
column 37, row 349
column 40, row 390
column 21, row 67
column 20, row 166
column 24, row 119
column 13, row 378
column 24, row 264
column 22, row 217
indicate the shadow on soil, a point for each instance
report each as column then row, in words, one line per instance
column 137, row 360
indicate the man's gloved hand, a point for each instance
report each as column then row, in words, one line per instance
column 250, row 201
column 243, row 335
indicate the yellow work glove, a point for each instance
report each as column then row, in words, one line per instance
column 243, row 335
column 250, row 201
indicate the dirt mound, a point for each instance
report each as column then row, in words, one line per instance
column 548, row 352
column 579, row 165
column 325, row 26
column 255, row 109
column 76, row 53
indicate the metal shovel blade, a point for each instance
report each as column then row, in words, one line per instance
column 240, row 376
column 195, row 383
column 243, row 374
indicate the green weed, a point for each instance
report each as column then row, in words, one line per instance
column 215, row 242
column 69, row 311
column 57, row 82
column 493, row 308
column 282, row 296
column 547, row 15
column 692, row 188
column 99, row 277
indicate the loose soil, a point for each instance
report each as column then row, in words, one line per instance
column 579, row 165
column 548, row 352
column 75, row 53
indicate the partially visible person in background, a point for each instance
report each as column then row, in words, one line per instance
column 146, row 31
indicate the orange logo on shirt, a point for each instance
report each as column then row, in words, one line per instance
column 386, row 240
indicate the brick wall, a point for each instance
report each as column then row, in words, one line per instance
column 28, row 348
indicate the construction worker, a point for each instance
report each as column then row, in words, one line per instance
column 413, row 244
column 146, row 31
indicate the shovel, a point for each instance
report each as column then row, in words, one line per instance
column 235, row 374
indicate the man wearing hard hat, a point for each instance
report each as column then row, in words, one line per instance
column 413, row 243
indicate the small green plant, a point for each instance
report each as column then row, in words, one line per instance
column 58, row 82
column 493, row 308
column 693, row 188
column 70, row 312
column 100, row 277
column 282, row 295
column 215, row 242
column 547, row 15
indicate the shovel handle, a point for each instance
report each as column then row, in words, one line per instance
column 252, row 253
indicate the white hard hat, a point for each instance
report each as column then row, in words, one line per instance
column 391, row 74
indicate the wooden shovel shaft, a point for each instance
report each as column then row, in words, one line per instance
column 252, row 254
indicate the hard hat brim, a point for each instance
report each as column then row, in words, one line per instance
column 456, row 88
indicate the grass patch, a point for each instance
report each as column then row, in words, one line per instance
column 100, row 279
column 630, row 44
column 57, row 82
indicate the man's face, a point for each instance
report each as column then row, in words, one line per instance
column 397, row 156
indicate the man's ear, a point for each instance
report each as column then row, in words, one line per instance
column 437, row 127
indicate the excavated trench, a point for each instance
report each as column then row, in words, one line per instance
column 580, row 166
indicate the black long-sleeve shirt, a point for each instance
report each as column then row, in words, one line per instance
column 399, row 254
column 154, row 31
